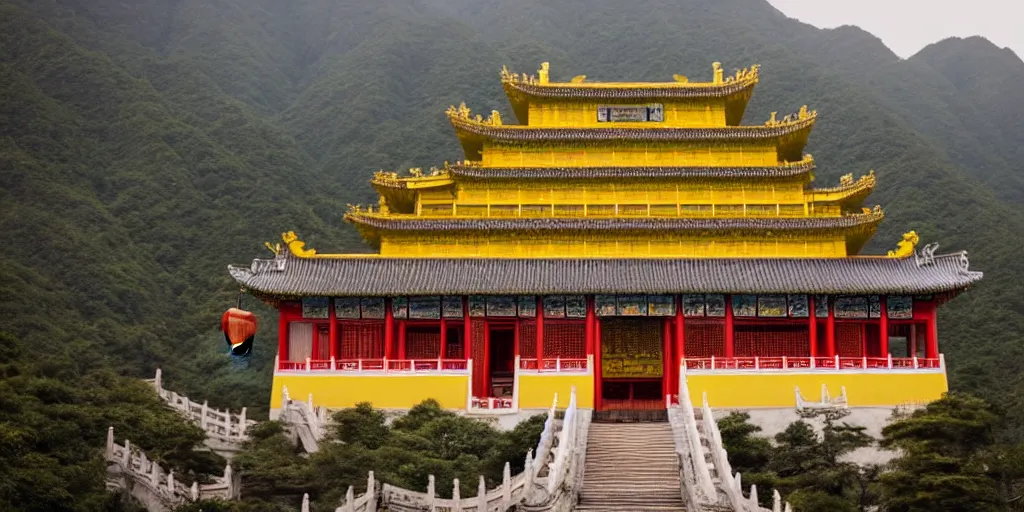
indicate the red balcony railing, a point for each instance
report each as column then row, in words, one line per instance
column 557, row 364
column 374, row 365
column 810, row 363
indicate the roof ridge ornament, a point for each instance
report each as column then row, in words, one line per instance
column 906, row 246
column 296, row 246
column 927, row 256
column 964, row 263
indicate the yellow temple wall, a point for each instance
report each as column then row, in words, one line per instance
column 537, row 390
column 883, row 388
column 708, row 113
column 631, row 155
column 383, row 391
column 610, row 244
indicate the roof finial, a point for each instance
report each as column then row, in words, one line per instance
column 542, row 73
column 717, row 66
column 906, row 246
column 296, row 246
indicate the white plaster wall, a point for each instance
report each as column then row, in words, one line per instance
column 773, row 421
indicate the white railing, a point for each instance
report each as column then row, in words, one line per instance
column 222, row 425
column 693, row 450
column 511, row 491
column 556, row 364
column 128, row 467
column 306, row 421
column 827, row 402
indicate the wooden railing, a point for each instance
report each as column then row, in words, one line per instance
column 375, row 365
column 811, row 363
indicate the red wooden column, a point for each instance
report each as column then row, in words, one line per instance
column 332, row 330
column 666, row 377
column 540, row 333
column 389, row 328
column 485, row 364
column 883, row 328
column 282, row 336
column 730, row 350
column 830, row 331
column 467, row 328
column 680, row 334
column 401, row 339
column 597, row 364
column 590, row 326
column 444, row 338
column 812, row 326
column 931, row 347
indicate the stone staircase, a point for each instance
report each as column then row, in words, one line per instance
column 630, row 467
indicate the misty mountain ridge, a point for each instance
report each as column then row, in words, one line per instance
column 179, row 136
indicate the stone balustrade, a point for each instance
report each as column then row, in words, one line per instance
column 224, row 426
column 129, row 468
column 307, row 423
column 548, row 479
column 702, row 488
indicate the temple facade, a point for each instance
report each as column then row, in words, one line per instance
column 617, row 236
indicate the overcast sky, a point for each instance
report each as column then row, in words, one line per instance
column 906, row 26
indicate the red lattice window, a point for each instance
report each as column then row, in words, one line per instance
column 704, row 338
column 567, row 340
column 455, row 342
column 422, row 342
column 361, row 340
column 767, row 340
column 528, row 339
column 848, row 340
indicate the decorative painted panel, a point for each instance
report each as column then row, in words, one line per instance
column 501, row 305
column 851, row 306
column 631, row 305
column 451, row 306
column 693, row 305
column 715, row 304
column 744, row 305
column 425, row 307
column 771, row 306
column 604, row 305
column 372, row 307
column 899, row 307
column 798, row 307
column 575, row 306
column 316, row 307
column 400, row 307
column 554, row 306
column 821, row 306
column 661, row 305
column 527, row 306
column 346, row 307
column 477, row 305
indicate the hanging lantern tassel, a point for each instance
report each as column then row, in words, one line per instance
column 239, row 328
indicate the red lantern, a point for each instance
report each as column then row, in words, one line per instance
column 239, row 328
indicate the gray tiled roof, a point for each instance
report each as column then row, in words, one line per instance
column 377, row 276
column 517, row 133
column 629, row 93
column 414, row 223
column 782, row 171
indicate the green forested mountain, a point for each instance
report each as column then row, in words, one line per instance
column 145, row 145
